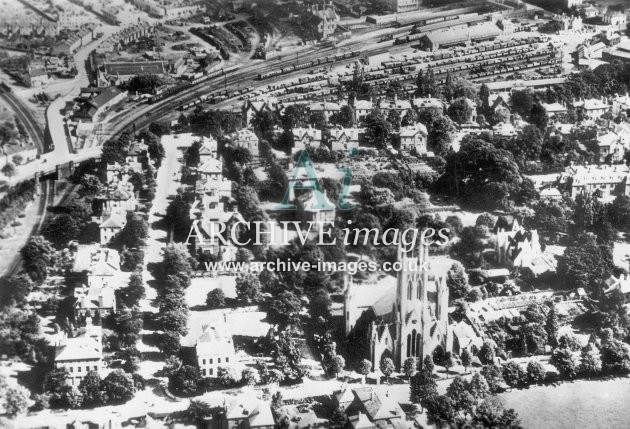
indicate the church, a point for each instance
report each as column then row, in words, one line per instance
column 401, row 317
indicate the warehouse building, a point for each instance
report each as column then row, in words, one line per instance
column 452, row 37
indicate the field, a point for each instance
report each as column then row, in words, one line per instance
column 585, row 404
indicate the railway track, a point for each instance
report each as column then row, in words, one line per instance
column 25, row 117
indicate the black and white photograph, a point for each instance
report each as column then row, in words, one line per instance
column 314, row 214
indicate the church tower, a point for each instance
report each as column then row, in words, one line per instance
column 412, row 316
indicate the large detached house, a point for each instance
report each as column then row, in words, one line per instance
column 80, row 354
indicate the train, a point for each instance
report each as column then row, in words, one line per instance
column 326, row 60
column 174, row 90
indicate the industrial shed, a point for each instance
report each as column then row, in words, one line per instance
column 451, row 37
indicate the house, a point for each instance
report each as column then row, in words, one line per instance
column 621, row 285
column 311, row 212
column 428, row 103
column 245, row 139
column 344, row 139
column 246, row 412
column 253, row 107
column 303, row 137
column 323, row 17
column 554, row 109
column 465, row 338
column 620, row 104
column 94, row 299
column 381, row 410
column 592, row 108
column 327, row 108
column 120, row 197
column 91, row 109
column 505, row 130
column 80, row 354
column 111, row 225
column 603, row 181
column 213, row 217
column 414, row 137
column 221, row 187
column 100, row 266
column 401, row 6
column 37, row 77
column 362, row 108
column 210, row 169
column 214, row 349
column 401, row 106
column 552, row 194
column 208, row 149
column 610, row 149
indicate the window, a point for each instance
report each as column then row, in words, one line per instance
column 218, row 360
column 71, row 369
column 87, row 369
column 78, row 369
column 203, row 361
column 227, row 359
column 210, row 361
column 203, row 372
column 95, row 367
column 210, row 371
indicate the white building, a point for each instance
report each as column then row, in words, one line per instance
column 214, row 348
column 303, row 137
column 245, row 139
column 414, row 137
column 81, row 354
column 603, row 181
column 344, row 139
column 400, row 6
column 100, row 265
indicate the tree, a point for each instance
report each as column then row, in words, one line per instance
column 338, row 419
column 198, row 410
column 569, row 341
column 492, row 414
column 466, row 358
column 249, row 377
column 38, row 253
column 61, row 229
column 615, row 356
column 457, row 391
column 248, row 288
column 336, row 365
column 478, row 387
column 185, row 380
column 486, row 353
column 16, row 289
column 134, row 233
column 457, row 281
column 216, row 298
column 565, row 362
column 131, row 295
column 484, row 96
column 494, row 377
column 590, row 361
column 14, row 400
column 364, row 368
column 92, row 390
column 90, row 185
column 377, row 129
column 285, row 309
column 535, row 372
column 460, row 110
column 226, row 376
column 8, row 170
column 440, row 411
column 409, row 366
column 177, row 217
column 427, row 364
column 387, row 367
column 522, row 102
column 514, row 374
column 422, row 387
column 551, row 327
column 585, row 264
